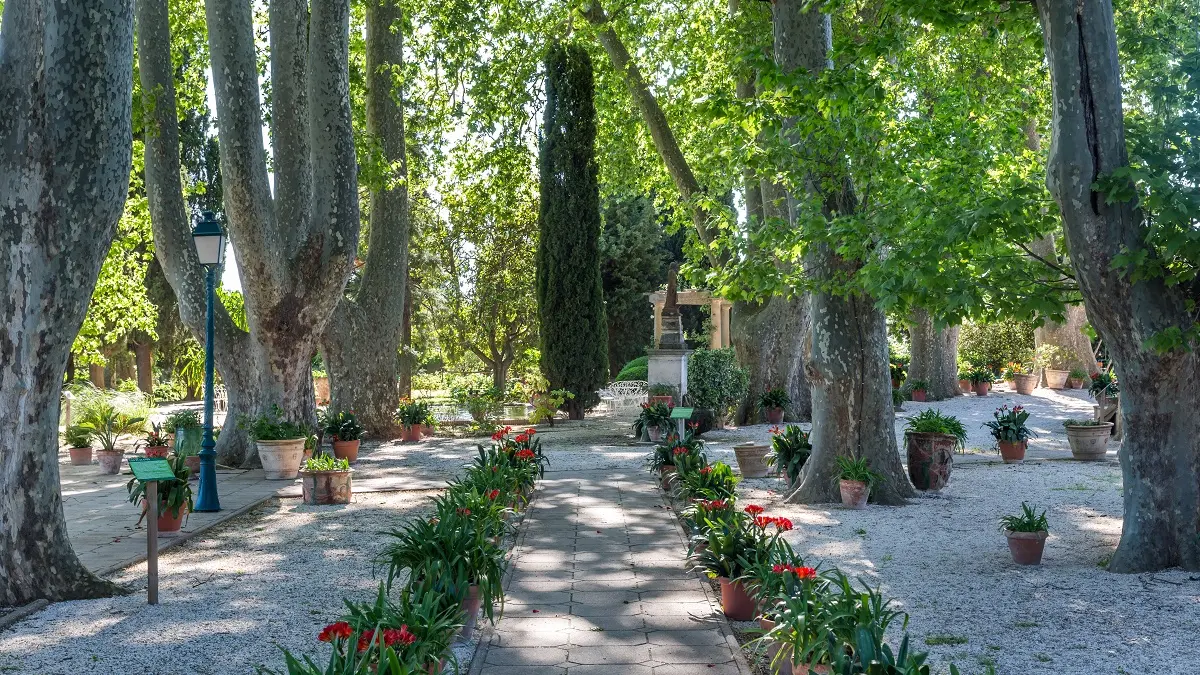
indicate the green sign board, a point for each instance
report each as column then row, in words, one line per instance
column 148, row 469
column 682, row 413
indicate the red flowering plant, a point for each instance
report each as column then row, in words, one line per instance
column 714, row 481
column 686, row 454
column 736, row 542
column 488, row 514
column 701, row 511
column 781, row 574
column 518, row 449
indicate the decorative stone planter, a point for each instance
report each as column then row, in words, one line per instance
column 1056, row 379
column 1025, row 384
column 854, row 493
column 110, row 461
column 1089, row 442
column 751, row 459
column 1026, row 547
column 736, row 603
column 80, row 456
column 1012, row 452
column 930, row 459
column 655, row 434
column 322, row 488
column 188, row 440
column 774, row 415
column 281, row 459
column 348, row 450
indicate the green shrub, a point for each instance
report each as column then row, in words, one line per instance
column 715, row 380
column 637, row 369
column 994, row 345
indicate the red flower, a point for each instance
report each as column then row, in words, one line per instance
column 775, row 430
column 706, row 470
column 493, row 494
column 754, row 509
column 782, row 524
column 805, row 572
column 522, row 438
column 779, row 569
column 525, row 454
column 464, row 512
column 530, row 432
column 341, row 629
column 680, row 451
column 716, row 505
column 365, row 640
column 763, row 521
column 392, row 636
column 693, row 425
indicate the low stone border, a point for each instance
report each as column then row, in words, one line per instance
column 22, row 612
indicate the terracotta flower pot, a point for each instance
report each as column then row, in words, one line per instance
column 665, row 399
column 736, row 603
column 930, row 459
column 281, row 459
column 471, row 605
column 774, row 415
column 918, row 395
column 1026, row 547
column 347, row 450
column 169, row 524
column 1056, row 379
column 322, row 488
column 426, row 430
column 964, row 386
column 192, row 462
column 1075, row 382
column 854, row 493
column 895, row 383
column 1024, row 384
column 110, row 461
column 1012, row 452
column 751, row 459
column 80, row 456
column 157, row 451
column 412, row 433
column 981, row 388
column 666, row 473
column 1089, row 443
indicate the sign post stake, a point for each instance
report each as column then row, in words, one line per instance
column 152, row 543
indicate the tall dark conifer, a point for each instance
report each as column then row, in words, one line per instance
column 574, row 337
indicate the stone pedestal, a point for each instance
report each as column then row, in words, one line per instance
column 669, row 366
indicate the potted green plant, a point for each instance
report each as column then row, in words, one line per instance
column 790, row 449
column 964, row 378
column 1104, row 388
column 855, row 480
column 981, row 380
column 772, row 403
column 916, row 389
column 326, row 479
column 1076, row 377
column 654, row 418
column 156, row 442
column 413, row 415
column 1088, row 438
column 1020, row 373
column 709, row 482
column 107, row 426
column 734, row 544
column 716, row 382
column 346, row 432
column 174, row 497
column 899, row 370
column 188, row 431
column 280, row 442
column 1026, row 533
column 79, row 444
column 1011, row 432
column 931, row 439
column 1054, row 361
column 661, row 393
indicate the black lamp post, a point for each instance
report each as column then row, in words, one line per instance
column 210, row 247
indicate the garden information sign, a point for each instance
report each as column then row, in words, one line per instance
column 149, row 471
column 681, row 416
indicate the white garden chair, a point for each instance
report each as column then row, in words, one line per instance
column 624, row 396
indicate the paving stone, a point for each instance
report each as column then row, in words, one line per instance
column 612, row 669
column 691, row 653
column 591, row 638
column 606, row 654
column 729, row 668
column 525, row 656
column 525, row 670
column 610, row 608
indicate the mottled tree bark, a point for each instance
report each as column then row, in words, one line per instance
column 770, row 337
column 934, row 353
column 362, row 342
column 1160, row 456
column 65, row 143
column 847, row 360
column 144, row 359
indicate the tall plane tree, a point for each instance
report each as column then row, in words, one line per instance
column 65, row 148
column 574, row 335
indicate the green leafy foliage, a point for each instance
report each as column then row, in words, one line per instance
column 342, row 425
column 715, row 380
column 1009, row 425
column 326, row 462
column 775, row 398
column 271, row 426
column 790, row 449
column 107, row 425
column 932, row 421
column 632, row 264
column 173, row 496
column 1029, row 520
column 859, row 470
column 637, row 369
column 77, row 436
column 993, row 345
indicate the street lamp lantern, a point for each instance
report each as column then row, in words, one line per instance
column 210, row 247
column 210, row 240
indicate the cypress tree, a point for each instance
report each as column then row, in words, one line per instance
column 574, row 336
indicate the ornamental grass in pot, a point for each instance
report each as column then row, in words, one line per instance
column 931, row 439
column 773, row 403
column 652, row 420
column 346, row 433
column 326, row 479
column 174, row 497
column 1088, row 439
column 1011, row 432
column 790, row 449
column 916, row 389
column 107, row 426
column 79, row 444
column 855, row 480
column 280, row 443
column 1026, row 533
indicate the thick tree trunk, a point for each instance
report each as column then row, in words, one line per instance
column 1069, row 334
column 363, row 339
column 934, row 353
column 1160, row 456
column 769, row 339
column 144, row 358
column 407, row 361
column 65, row 141
column 96, row 375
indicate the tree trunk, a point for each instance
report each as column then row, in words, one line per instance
column 1160, row 456
column 847, row 359
column 407, row 361
column 65, row 141
column 934, row 353
column 769, row 338
column 144, row 358
column 363, row 339
column 96, row 375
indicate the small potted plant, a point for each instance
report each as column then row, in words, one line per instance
column 325, row 479
column 1088, row 438
column 931, row 439
column 736, row 543
column 855, row 480
column 79, row 444
column 1075, row 378
column 964, row 378
column 916, row 389
column 981, row 380
column 346, row 432
column 156, row 442
column 412, row 415
column 174, row 497
column 1020, row 373
column 790, row 449
column 188, row 431
column 280, row 443
column 772, row 403
column 107, row 426
column 652, row 420
column 899, row 371
column 1011, row 433
column 1054, row 360
column 660, row 392
column 1104, row 388
column 1026, row 535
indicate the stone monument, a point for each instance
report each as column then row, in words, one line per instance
column 669, row 358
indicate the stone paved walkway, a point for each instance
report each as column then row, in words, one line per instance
column 598, row 586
